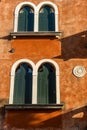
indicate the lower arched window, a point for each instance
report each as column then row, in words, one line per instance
column 35, row 83
column 46, row 88
column 23, row 84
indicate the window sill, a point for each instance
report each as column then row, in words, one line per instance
column 27, row 34
column 33, row 106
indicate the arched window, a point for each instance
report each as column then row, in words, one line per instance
column 46, row 89
column 29, row 17
column 23, row 85
column 35, row 83
column 26, row 19
column 46, row 19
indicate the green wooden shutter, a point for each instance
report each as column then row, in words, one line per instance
column 23, row 85
column 30, row 24
column 26, row 19
column 19, row 86
column 52, row 85
column 28, row 88
column 46, row 85
column 43, row 20
column 43, row 85
column 46, row 19
column 22, row 20
column 51, row 24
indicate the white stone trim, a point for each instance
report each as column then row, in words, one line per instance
column 57, row 76
column 34, row 78
column 36, row 14
column 15, row 65
column 16, row 13
column 47, row 3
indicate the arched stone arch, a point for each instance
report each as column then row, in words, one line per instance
column 47, row 3
column 15, row 65
column 48, row 61
column 18, row 7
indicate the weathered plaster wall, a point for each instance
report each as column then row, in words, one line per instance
column 69, row 51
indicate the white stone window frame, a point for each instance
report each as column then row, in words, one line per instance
column 36, row 14
column 55, row 65
column 34, row 78
column 16, row 13
column 13, row 69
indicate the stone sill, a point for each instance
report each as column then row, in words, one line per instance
column 33, row 106
column 34, row 34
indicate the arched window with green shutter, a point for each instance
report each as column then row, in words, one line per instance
column 46, row 19
column 46, row 88
column 23, row 85
column 26, row 19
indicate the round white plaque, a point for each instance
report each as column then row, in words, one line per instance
column 79, row 71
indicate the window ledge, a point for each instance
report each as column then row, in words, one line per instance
column 17, row 34
column 33, row 106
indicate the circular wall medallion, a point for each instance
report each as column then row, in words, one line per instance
column 79, row 71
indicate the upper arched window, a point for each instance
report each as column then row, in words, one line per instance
column 46, row 19
column 26, row 19
column 29, row 17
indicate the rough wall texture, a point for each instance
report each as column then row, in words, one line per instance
column 68, row 52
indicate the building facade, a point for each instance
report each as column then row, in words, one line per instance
column 43, row 65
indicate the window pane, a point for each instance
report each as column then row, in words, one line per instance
column 46, row 19
column 46, row 85
column 23, row 85
column 26, row 19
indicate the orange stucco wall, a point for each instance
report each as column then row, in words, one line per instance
column 68, row 52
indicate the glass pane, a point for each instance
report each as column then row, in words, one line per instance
column 46, row 85
column 46, row 19
column 26, row 19
column 23, row 85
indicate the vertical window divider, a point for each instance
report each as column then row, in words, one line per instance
column 36, row 21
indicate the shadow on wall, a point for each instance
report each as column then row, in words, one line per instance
column 74, row 46
column 46, row 119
